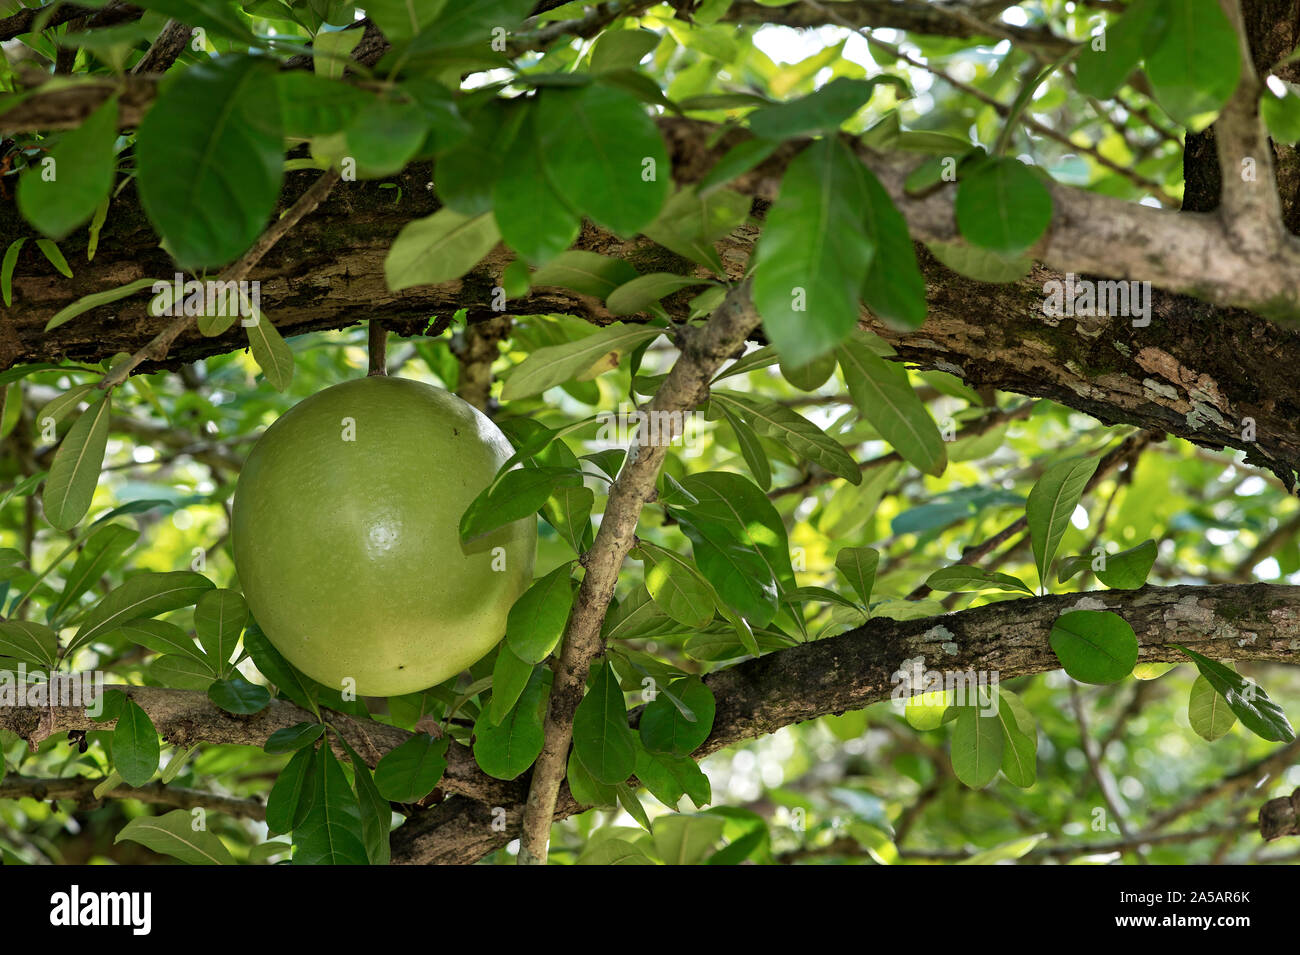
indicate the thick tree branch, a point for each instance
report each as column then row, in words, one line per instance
column 703, row 352
column 1249, row 207
column 1182, row 373
column 238, row 271
column 1256, row 622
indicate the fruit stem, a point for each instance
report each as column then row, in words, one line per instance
column 378, row 345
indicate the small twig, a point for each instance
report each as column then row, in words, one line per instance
column 1105, row 782
column 684, row 388
column 166, row 47
column 156, row 349
column 81, row 790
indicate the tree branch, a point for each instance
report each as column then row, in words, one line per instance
column 703, row 352
column 81, row 789
column 1256, row 622
column 159, row 345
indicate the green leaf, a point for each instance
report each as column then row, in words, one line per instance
column 81, row 172
column 668, row 778
column 7, row 270
column 644, row 292
column 145, row 595
column 536, row 620
column 292, row 793
column 275, row 668
column 692, row 221
column 376, row 813
column 794, row 432
column 238, row 696
column 30, row 642
column 439, row 248
column 604, row 155
column 209, row 155
column 330, row 832
column 1101, row 72
column 1019, row 740
column 514, row 496
column 894, row 288
column 530, row 215
column 1002, row 206
column 135, row 745
column 1128, row 569
column 1051, row 504
column 586, row 789
column 95, row 300
column 1282, row 115
column 665, row 729
column 181, row 671
column 751, row 448
column 602, row 740
column 212, row 15
column 739, row 159
column 1208, row 711
column 173, row 834
column 622, row 49
column 977, row 745
column 411, row 771
column 963, row 578
column 811, row 376
column 739, row 542
column 555, row 364
column 613, row 852
column 1094, row 646
column 54, row 256
column 271, row 352
column 682, row 839
column 1007, row 851
column 58, row 407
column 814, row 253
column 219, row 618
column 74, row 473
column 980, row 264
column 510, row 676
column 1069, row 566
column 884, row 396
column 1245, row 698
column 588, row 273
column 313, row 105
column 504, row 750
column 675, row 588
column 569, row 511
column 1196, row 64
column 858, row 565
column 400, row 20
column 293, row 738
column 818, row 112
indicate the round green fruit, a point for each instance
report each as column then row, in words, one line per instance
column 345, row 532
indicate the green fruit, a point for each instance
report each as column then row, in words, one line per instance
column 345, row 532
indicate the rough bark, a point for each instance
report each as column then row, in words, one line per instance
column 1197, row 371
column 703, row 352
column 1256, row 622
